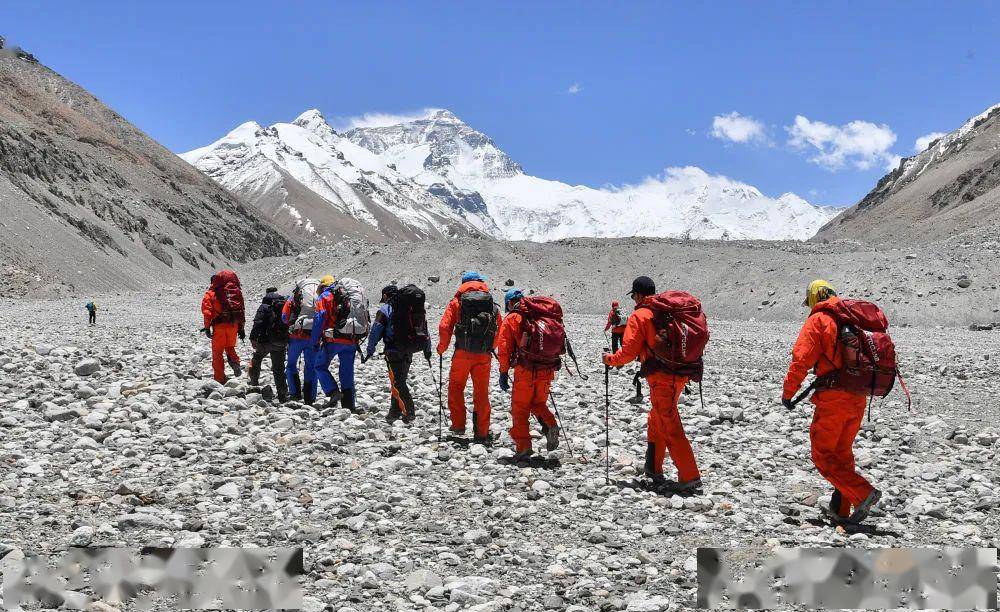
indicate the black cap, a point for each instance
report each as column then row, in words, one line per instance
column 271, row 290
column 388, row 291
column 643, row 286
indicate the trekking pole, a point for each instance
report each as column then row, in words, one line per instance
column 607, row 425
column 562, row 425
column 440, row 402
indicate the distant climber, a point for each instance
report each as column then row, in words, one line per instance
column 269, row 337
column 92, row 312
column 532, row 339
column 838, row 411
column 616, row 323
column 401, row 326
column 225, row 318
column 341, row 322
column 474, row 319
column 299, row 314
column 643, row 331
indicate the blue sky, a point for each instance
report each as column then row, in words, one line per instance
column 584, row 92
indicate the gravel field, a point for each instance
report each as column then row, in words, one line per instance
column 115, row 435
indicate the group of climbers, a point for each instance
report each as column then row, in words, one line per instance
column 665, row 333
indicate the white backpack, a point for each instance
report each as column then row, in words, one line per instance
column 307, row 308
column 358, row 321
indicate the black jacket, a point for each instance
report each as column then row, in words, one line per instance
column 267, row 325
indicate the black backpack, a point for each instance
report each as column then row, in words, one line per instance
column 477, row 323
column 408, row 320
column 277, row 330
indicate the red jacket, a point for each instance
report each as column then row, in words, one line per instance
column 816, row 348
column 451, row 315
column 507, row 340
column 615, row 329
column 639, row 336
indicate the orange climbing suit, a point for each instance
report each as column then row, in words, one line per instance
column 530, row 390
column 664, row 429
column 837, row 416
column 466, row 364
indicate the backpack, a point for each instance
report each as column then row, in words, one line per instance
column 409, row 320
column 477, row 324
column 542, row 340
column 277, row 331
column 617, row 319
column 868, row 354
column 353, row 319
column 226, row 286
column 681, row 335
column 306, row 305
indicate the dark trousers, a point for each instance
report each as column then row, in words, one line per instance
column 616, row 342
column 93, row 317
column 399, row 370
column 277, row 353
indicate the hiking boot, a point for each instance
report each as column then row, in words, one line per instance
column 409, row 417
column 235, row 365
column 861, row 512
column 552, row 438
column 347, row 401
column 689, row 486
column 656, row 479
column 460, row 431
column 635, row 399
column 334, row 398
column 486, row 440
column 392, row 416
column 294, row 397
column 523, row 456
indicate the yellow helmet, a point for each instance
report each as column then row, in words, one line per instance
column 327, row 280
column 818, row 291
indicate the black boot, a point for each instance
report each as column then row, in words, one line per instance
column 336, row 397
column 649, row 468
column 347, row 401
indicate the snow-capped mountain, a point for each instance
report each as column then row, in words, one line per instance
column 433, row 167
column 307, row 178
column 440, row 149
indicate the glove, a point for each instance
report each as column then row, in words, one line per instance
column 787, row 403
column 441, row 349
column 242, row 334
column 606, row 358
column 505, row 381
column 207, row 331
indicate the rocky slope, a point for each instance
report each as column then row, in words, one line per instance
column 309, row 179
column 938, row 285
column 104, row 443
column 948, row 190
column 436, row 176
column 92, row 204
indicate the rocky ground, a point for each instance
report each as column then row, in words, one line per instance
column 116, row 435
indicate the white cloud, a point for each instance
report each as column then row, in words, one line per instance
column 574, row 89
column 861, row 144
column 369, row 120
column 925, row 141
column 739, row 128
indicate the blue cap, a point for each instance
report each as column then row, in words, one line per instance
column 510, row 296
column 472, row 276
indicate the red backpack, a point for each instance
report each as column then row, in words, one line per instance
column 230, row 295
column 543, row 337
column 868, row 354
column 681, row 334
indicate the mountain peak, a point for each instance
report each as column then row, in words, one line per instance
column 310, row 119
column 443, row 115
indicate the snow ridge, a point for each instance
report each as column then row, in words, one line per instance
column 434, row 166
